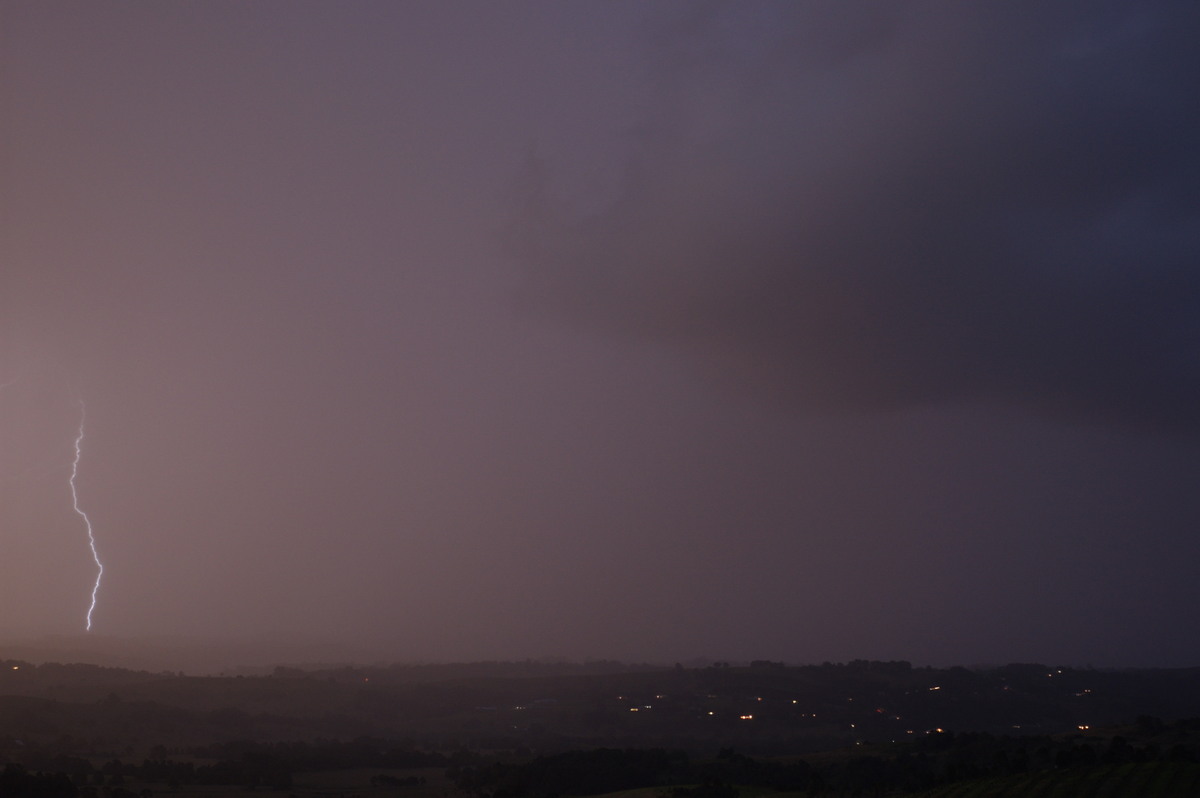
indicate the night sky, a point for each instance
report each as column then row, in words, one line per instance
column 650, row 331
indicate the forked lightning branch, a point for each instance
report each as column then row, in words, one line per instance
column 86, row 521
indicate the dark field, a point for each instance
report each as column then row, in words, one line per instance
column 541, row 730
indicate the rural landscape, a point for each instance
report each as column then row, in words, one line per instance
column 538, row 729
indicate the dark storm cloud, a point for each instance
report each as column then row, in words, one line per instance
column 259, row 240
column 882, row 206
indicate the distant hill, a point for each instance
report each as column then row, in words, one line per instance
column 764, row 709
column 538, row 729
column 193, row 656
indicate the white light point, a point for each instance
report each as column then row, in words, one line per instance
column 87, row 521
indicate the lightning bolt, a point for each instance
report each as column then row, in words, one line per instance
column 87, row 521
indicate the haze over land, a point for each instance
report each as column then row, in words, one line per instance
column 449, row 331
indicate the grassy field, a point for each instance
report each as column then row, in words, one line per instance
column 655, row 792
column 1146, row 780
column 351, row 783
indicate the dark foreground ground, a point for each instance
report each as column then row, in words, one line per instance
column 538, row 730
